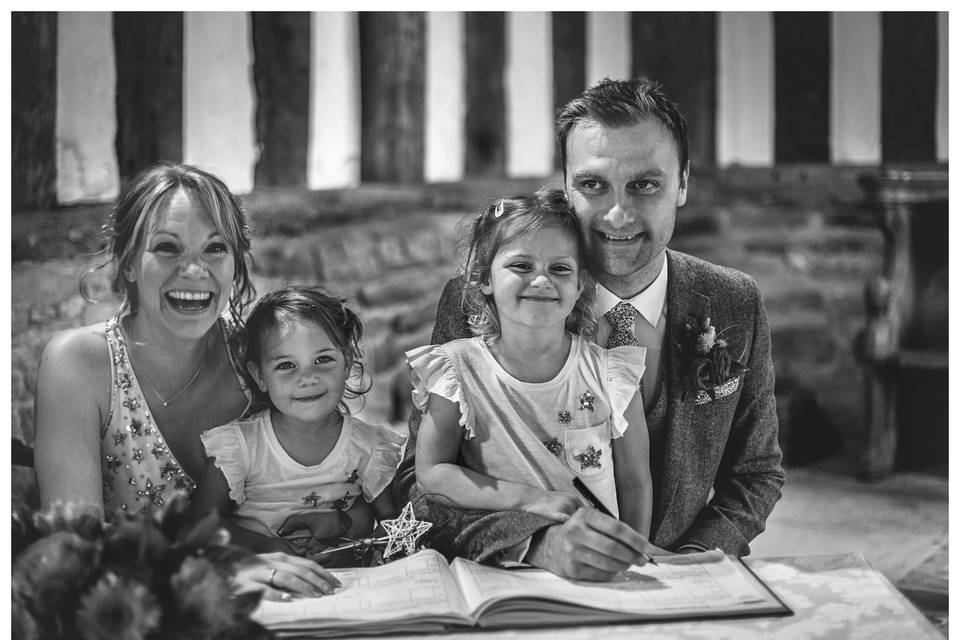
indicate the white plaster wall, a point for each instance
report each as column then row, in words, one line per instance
column 943, row 87
column 218, row 97
column 86, row 120
column 745, row 100
column 529, row 94
column 608, row 45
column 333, row 151
column 445, row 101
column 855, row 88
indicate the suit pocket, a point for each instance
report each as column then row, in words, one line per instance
column 587, row 451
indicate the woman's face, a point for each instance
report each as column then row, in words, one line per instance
column 184, row 274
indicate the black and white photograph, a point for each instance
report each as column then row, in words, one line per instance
column 479, row 324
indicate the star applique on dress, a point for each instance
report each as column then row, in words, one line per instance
column 553, row 446
column 586, row 400
column 589, row 458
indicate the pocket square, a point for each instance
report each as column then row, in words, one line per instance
column 719, row 391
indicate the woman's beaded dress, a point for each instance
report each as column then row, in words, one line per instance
column 137, row 466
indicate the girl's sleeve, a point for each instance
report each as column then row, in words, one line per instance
column 228, row 449
column 625, row 366
column 386, row 449
column 432, row 371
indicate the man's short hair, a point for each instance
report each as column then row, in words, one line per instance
column 621, row 103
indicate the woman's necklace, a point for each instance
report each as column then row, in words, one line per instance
column 167, row 401
column 196, row 374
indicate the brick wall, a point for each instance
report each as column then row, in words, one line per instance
column 801, row 234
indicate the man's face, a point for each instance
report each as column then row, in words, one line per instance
column 624, row 184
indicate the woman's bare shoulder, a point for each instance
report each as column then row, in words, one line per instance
column 79, row 350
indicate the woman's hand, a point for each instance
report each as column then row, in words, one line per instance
column 555, row 505
column 280, row 576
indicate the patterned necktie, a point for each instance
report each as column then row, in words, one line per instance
column 622, row 319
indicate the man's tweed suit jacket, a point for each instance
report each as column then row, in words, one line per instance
column 729, row 445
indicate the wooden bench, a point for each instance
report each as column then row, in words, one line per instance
column 905, row 338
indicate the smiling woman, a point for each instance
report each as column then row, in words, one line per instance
column 178, row 249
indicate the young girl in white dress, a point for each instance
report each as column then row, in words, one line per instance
column 514, row 414
column 287, row 473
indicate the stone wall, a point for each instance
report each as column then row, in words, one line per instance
column 801, row 234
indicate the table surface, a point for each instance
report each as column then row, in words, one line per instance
column 831, row 596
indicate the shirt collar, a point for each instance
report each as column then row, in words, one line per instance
column 648, row 302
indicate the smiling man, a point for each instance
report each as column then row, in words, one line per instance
column 708, row 383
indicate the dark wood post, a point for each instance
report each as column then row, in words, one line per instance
column 392, row 60
column 908, row 71
column 569, row 60
column 281, row 76
column 149, row 54
column 802, row 86
column 485, row 121
column 679, row 51
column 33, row 106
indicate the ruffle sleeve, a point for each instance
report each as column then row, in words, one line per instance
column 432, row 371
column 386, row 451
column 625, row 366
column 225, row 444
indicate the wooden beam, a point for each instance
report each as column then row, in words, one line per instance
column 802, row 86
column 485, row 124
column 33, row 106
column 392, row 61
column 679, row 51
column 569, row 61
column 149, row 55
column 281, row 75
column 909, row 77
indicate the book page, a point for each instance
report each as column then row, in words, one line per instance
column 695, row 584
column 420, row 586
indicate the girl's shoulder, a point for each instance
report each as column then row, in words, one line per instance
column 366, row 432
column 449, row 353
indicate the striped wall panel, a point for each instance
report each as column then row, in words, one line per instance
column 445, row 106
column 333, row 155
column 855, row 88
column 608, row 45
column 528, row 79
column 218, row 104
column 327, row 99
column 745, row 89
column 86, row 159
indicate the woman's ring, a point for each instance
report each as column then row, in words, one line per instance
column 273, row 572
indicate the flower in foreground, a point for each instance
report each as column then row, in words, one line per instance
column 203, row 598
column 48, row 572
column 118, row 609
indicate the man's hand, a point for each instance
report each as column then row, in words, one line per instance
column 588, row 546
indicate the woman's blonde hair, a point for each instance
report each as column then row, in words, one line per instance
column 136, row 208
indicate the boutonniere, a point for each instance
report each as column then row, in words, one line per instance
column 710, row 370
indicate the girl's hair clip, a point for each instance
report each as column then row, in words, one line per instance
column 499, row 210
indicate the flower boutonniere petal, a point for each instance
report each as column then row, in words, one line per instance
column 706, row 362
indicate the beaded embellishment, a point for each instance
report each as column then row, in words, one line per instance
column 589, row 458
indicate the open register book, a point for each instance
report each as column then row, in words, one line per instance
column 422, row 593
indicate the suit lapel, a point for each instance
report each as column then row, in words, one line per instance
column 681, row 300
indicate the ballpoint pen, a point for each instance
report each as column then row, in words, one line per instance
column 595, row 501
